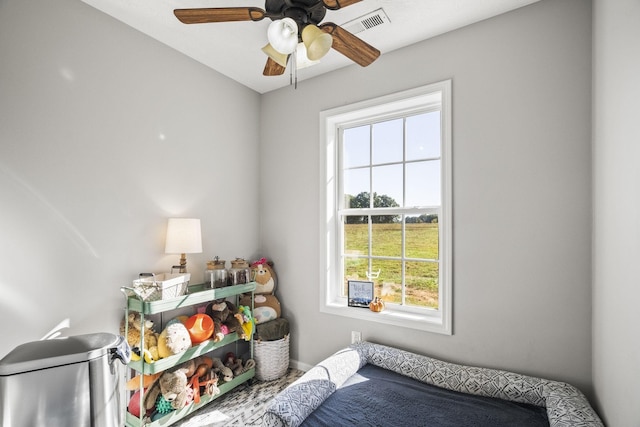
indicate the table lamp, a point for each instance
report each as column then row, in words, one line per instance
column 183, row 237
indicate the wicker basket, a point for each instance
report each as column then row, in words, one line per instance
column 272, row 358
column 154, row 287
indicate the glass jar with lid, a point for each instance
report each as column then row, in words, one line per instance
column 240, row 272
column 216, row 275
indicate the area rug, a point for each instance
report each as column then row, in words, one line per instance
column 244, row 406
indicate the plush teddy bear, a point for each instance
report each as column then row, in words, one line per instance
column 173, row 384
column 134, row 329
column 264, row 276
column 173, row 339
column 224, row 321
column 265, row 307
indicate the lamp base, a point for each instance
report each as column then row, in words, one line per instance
column 183, row 264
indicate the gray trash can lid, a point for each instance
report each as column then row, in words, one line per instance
column 45, row 354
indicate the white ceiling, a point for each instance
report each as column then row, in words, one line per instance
column 234, row 48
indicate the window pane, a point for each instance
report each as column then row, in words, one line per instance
column 423, row 136
column 387, row 141
column 354, row 269
column 388, row 283
column 421, row 239
column 421, row 284
column 387, row 181
column 356, row 182
column 355, row 147
column 386, row 238
column 423, row 183
column 356, row 236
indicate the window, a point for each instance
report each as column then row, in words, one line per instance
column 386, row 198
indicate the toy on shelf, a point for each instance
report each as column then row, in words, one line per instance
column 174, row 339
column 246, row 321
column 235, row 364
column 200, row 327
column 134, row 336
column 224, row 321
column 219, row 368
column 173, row 383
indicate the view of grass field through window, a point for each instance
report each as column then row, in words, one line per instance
column 420, row 259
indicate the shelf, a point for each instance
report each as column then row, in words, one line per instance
column 191, row 353
column 197, row 294
column 177, row 415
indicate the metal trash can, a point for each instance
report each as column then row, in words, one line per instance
column 71, row 382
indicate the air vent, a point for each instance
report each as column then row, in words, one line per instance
column 366, row 22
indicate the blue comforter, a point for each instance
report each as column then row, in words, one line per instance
column 378, row 397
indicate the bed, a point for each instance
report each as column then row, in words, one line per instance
column 373, row 384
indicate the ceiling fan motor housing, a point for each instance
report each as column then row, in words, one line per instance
column 303, row 12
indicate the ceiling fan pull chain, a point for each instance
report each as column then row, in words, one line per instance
column 291, row 69
column 295, row 67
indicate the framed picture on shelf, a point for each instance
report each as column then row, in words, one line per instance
column 360, row 293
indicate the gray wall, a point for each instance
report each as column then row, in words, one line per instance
column 616, row 136
column 105, row 133
column 522, row 192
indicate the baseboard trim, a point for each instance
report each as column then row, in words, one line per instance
column 294, row 364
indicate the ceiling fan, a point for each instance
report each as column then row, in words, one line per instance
column 294, row 21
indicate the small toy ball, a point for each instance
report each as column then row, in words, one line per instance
column 200, row 327
column 134, row 404
column 163, row 406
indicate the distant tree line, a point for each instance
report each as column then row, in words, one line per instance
column 363, row 200
column 422, row 219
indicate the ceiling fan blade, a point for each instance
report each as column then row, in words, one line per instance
column 354, row 48
column 337, row 4
column 219, row 14
column 272, row 68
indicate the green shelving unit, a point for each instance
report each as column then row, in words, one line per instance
column 196, row 294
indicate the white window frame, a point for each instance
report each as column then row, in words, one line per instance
column 331, row 280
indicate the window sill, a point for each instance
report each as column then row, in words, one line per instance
column 391, row 317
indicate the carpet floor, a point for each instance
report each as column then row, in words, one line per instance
column 243, row 406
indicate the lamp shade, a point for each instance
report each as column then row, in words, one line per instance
column 317, row 42
column 183, row 236
column 283, row 35
column 279, row 58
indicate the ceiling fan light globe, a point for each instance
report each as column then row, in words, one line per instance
column 317, row 42
column 279, row 58
column 283, row 35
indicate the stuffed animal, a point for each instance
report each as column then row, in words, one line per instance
column 224, row 321
column 173, row 384
column 247, row 322
column 265, row 307
column 174, row 339
column 134, row 383
column 134, row 329
column 233, row 363
column 264, row 276
column 219, row 368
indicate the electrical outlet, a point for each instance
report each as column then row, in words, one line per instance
column 356, row 336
